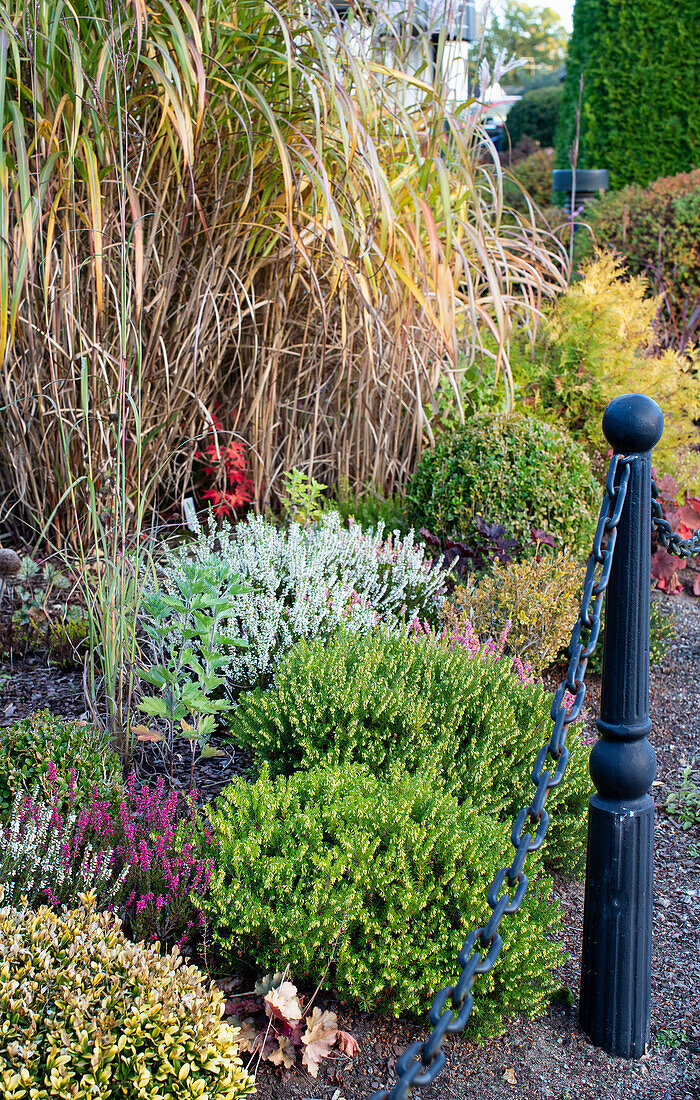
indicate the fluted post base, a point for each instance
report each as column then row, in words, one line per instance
column 617, row 926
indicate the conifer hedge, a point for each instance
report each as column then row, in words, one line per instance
column 640, row 108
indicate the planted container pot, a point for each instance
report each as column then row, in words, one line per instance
column 589, row 183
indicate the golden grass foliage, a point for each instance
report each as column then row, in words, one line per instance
column 232, row 206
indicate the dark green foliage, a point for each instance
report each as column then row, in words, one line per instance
column 384, row 875
column 28, row 747
column 513, row 470
column 372, row 508
column 640, row 115
column 536, row 115
column 656, row 233
column 375, row 699
column 534, row 174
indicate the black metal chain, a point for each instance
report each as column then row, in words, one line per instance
column 422, row 1061
column 682, row 548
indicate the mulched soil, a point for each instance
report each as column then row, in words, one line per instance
column 548, row 1057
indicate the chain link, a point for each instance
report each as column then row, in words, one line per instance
column 422, row 1061
column 682, row 548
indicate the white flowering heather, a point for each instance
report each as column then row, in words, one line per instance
column 305, row 582
column 43, row 859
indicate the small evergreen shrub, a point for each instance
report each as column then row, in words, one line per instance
column 513, row 470
column 536, row 115
column 655, row 232
column 538, row 598
column 451, row 710
column 28, row 748
column 86, row 1013
column 595, row 347
column 382, row 874
column 304, row 581
column 534, row 174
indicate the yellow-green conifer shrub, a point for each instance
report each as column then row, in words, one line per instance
column 84, row 1013
column 599, row 341
column 539, row 598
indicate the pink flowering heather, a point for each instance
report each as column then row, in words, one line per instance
column 166, row 854
column 168, row 862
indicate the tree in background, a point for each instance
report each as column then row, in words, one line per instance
column 529, row 32
column 640, row 106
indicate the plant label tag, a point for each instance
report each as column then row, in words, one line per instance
column 190, row 514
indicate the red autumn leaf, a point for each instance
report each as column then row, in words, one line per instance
column 347, row 1044
column 696, row 585
column 667, row 486
column 664, row 566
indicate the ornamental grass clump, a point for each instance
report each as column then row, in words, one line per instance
column 121, row 1020
column 303, row 581
column 380, row 874
column 441, row 705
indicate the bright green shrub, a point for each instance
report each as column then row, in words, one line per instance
column 464, row 717
column 595, row 347
column 28, row 749
column 86, row 1013
column 513, row 470
column 640, row 108
column 385, row 875
column 538, row 598
column 536, row 115
column 656, row 232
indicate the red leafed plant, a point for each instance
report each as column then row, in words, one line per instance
column 225, row 466
column 685, row 519
column 275, row 1025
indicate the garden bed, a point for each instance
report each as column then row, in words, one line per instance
column 546, row 1057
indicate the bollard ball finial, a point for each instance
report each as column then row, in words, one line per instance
column 632, row 423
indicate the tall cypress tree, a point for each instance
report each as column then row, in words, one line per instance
column 640, row 104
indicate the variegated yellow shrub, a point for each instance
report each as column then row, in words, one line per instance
column 539, row 598
column 84, row 1013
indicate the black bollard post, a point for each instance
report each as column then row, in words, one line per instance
column 617, row 919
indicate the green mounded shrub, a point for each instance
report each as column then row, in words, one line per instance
column 536, row 115
column 640, row 106
column 513, row 470
column 384, row 875
column 453, row 711
column 85, row 1013
column 656, row 233
column 30, row 747
column 534, row 174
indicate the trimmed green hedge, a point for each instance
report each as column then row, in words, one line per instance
column 640, row 114
column 368, row 884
